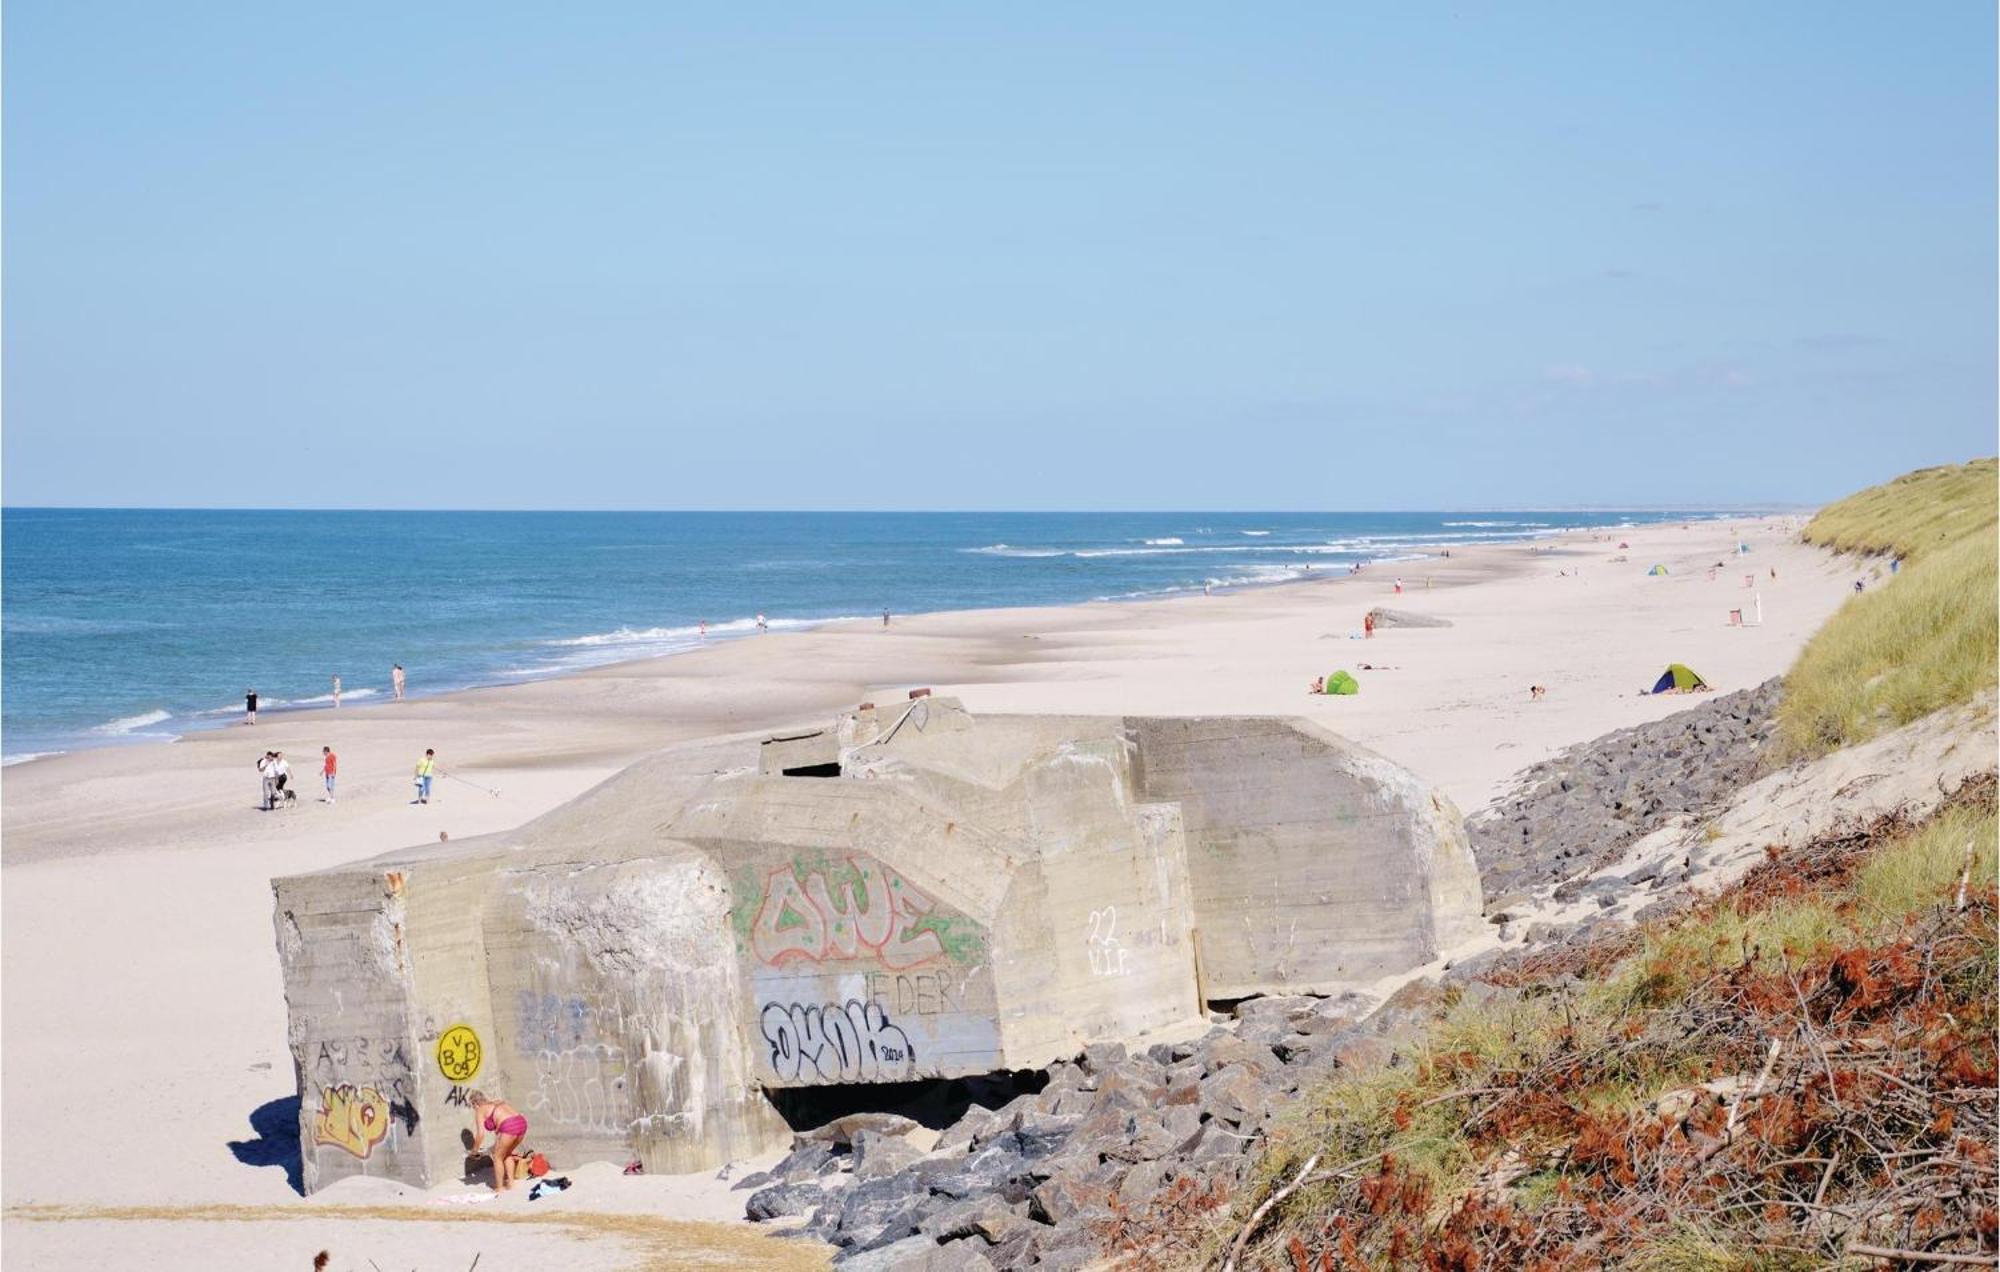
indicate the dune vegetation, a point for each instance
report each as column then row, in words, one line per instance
column 1920, row 638
column 1914, row 514
column 1798, row 1073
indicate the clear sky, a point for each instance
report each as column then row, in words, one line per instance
column 1002, row 256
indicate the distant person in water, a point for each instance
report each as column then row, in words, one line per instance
column 249, row 706
column 336, row 691
column 762, row 626
column 329, row 769
column 704, row 629
column 426, row 770
column 396, row 680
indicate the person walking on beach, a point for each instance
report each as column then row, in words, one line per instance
column 508, row 1127
column 268, row 778
column 249, row 706
column 281, row 776
column 426, row 770
column 885, row 616
column 396, row 680
column 329, row 768
column 336, row 691
column 1399, row 585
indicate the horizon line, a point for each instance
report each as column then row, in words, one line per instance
column 1774, row 506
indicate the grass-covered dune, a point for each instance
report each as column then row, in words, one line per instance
column 1919, row 639
column 1928, row 509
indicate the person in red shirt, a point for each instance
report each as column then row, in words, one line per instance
column 329, row 768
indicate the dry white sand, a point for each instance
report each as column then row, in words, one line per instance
column 144, row 1016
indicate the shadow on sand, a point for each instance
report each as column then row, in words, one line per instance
column 277, row 1142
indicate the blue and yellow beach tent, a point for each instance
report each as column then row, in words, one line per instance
column 1678, row 676
column 1658, row 569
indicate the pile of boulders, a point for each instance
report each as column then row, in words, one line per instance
column 1577, row 811
column 1035, row 1182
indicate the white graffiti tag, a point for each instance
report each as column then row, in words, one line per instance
column 582, row 1087
column 1107, row 956
column 854, row 1042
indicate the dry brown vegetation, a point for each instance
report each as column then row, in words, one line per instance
column 1798, row 1074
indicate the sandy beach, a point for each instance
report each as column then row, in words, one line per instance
column 147, row 1063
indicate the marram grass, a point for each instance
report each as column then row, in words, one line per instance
column 1925, row 638
column 1914, row 515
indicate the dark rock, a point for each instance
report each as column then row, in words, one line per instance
column 1218, row 1051
column 1100, row 1057
column 988, row 1218
column 1582, row 808
column 1142, row 1181
column 1067, row 1252
column 1062, row 1198
column 1235, row 1094
column 897, row 1257
column 868, row 1220
column 967, row 1129
column 876, row 1155
column 755, row 1179
column 804, row 1163
column 993, row 1171
column 780, row 1201
column 958, row 1256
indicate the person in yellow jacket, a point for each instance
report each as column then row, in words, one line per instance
column 426, row 770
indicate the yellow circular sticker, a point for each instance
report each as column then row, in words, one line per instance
column 459, row 1053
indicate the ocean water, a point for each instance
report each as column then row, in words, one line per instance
column 123, row 625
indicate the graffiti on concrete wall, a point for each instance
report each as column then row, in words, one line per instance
column 582, row 1082
column 856, row 909
column 582, row 1087
column 363, row 1084
column 1108, row 956
column 377, row 1058
column 352, row 1118
column 853, row 1041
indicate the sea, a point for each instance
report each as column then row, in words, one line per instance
column 128, row 625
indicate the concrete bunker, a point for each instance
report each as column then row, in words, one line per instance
column 906, row 896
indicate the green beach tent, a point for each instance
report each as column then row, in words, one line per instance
column 1342, row 683
column 1658, row 569
column 1678, row 676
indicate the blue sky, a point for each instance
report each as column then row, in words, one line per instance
column 1144, row 256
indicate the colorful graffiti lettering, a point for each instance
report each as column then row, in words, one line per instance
column 871, row 912
column 854, row 1042
column 352, row 1118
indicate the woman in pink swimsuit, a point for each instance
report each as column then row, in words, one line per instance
column 508, row 1128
